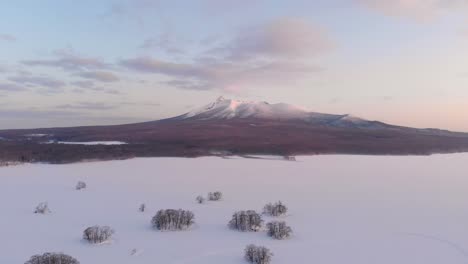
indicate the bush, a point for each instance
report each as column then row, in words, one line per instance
column 278, row 230
column 97, row 234
column 42, row 208
column 246, row 221
column 276, row 209
column 171, row 219
column 215, row 196
column 142, row 207
column 200, row 199
column 52, row 258
column 258, row 255
column 80, row 185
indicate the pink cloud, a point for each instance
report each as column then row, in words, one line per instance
column 283, row 38
column 420, row 10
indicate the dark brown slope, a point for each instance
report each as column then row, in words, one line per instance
column 191, row 138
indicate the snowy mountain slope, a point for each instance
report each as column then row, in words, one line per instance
column 226, row 109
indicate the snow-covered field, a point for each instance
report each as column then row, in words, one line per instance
column 343, row 209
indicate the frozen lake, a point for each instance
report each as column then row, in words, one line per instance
column 342, row 209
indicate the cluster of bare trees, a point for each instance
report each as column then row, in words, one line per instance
column 171, row 219
column 278, row 230
column 212, row 196
column 9, row 163
column 97, row 234
column 215, row 196
column 276, row 209
column 200, row 199
column 42, row 208
column 246, row 221
column 52, row 258
column 257, row 254
column 80, row 185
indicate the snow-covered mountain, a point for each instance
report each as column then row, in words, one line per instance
column 225, row 109
column 229, row 127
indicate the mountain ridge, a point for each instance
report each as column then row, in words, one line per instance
column 231, row 127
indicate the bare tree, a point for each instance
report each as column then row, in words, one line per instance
column 276, row 209
column 52, row 258
column 278, row 230
column 257, row 254
column 215, row 196
column 246, row 221
column 142, row 207
column 200, row 199
column 171, row 219
column 42, row 208
column 80, row 185
column 97, row 234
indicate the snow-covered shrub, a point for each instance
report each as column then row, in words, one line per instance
column 97, row 234
column 215, row 196
column 42, row 208
column 276, row 209
column 246, row 221
column 171, row 219
column 52, row 258
column 80, row 185
column 142, row 207
column 135, row 252
column 278, row 230
column 200, row 199
column 258, row 255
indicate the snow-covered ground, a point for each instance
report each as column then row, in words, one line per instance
column 36, row 135
column 343, row 209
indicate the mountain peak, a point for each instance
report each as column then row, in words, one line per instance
column 223, row 108
column 229, row 109
column 220, row 99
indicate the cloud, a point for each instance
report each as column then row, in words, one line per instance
column 68, row 60
column 7, row 37
column 419, row 10
column 272, row 54
column 102, row 76
column 286, row 38
column 46, row 85
column 41, row 81
column 189, row 85
column 88, row 106
column 221, row 74
column 148, row 104
column 83, row 84
column 102, row 105
column 134, row 10
column 11, row 87
column 34, row 113
column 3, row 69
column 34, row 117
column 112, row 91
column 150, row 65
column 165, row 42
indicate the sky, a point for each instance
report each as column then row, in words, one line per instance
column 69, row 63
